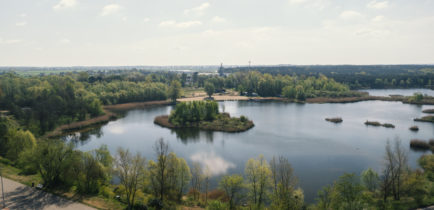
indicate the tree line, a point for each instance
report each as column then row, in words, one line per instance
column 358, row 76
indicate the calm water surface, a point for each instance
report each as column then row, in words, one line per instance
column 319, row 151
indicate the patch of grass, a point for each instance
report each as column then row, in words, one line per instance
column 429, row 111
column 17, row 174
column 376, row 123
column 334, row 120
column 388, row 125
column 372, row 123
column 418, row 144
column 429, row 118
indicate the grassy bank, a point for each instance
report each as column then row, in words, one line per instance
column 422, row 145
column 223, row 122
column 109, row 115
column 428, row 111
column 375, row 123
column 429, row 118
column 334, row 120
column 75, row 126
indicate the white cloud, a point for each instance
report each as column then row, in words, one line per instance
column 218, row 19
column 110, row 9
column 22, row 23
column 167, row 23
column 115, row 128
column 23, row 15
column 65, row 41
column 378, row 18
column 63, row 4
column 297, row 1
column 10, row 41
column 378, row 4
column 187, row 24
column 199, row 10
column 215, row 164
column 350, row 15
column 146, row 20
column 124, row 19
column 311, row 4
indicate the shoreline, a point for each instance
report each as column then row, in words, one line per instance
column 110, row 110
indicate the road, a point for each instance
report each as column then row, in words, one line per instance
column 19, row 196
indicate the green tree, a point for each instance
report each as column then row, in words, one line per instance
column 174, row 90
column 289, row 92
column 370, row 179
column 348, row 192
column 232, row 185
column 131, row 172
column 427, row 163
column 54, row 161
column 283, row 183
column 325, row 198
column 196, row 180
column 91, row 174
column 258, row 176
column 178, row 177
column 19, row 141
column 159, row 170
column 209, row 89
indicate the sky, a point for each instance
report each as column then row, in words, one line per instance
column 210, row 32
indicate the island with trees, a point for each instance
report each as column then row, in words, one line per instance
column 203, row 115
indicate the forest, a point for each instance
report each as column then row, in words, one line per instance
column 358, row 76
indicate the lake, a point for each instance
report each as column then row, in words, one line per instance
column 319, row 151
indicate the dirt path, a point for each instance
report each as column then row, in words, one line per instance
column 19, row 196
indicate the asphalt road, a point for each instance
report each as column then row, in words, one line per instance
column 19, row 196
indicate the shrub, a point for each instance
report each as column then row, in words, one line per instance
column 106, row 192
column 373, row 123
column 419, row 144
column 217, row 205
column 388, row 125
column 334, row 120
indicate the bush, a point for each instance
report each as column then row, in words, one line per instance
column 243, row 118
column 217, row 205
column 155, row 203
column 373, row 123
column 106, row 192
column 419, row 144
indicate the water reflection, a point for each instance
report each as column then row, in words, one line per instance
column 116, row 128
column 193, row 135
column 215, row 164
column 82, row 138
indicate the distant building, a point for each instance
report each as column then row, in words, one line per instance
column 221, row 73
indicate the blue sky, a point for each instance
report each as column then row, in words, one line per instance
column 199, row 32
